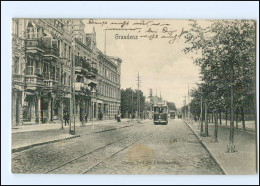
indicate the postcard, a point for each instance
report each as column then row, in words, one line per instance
column 133, row 96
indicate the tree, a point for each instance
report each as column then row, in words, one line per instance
column 129, row 102
column 171, row 106
column 227, row 63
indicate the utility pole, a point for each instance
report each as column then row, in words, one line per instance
column 132, row 109
column 188, row 103
column 160, row 96
column 151, row 103
column 185, row 110
column 138, row 98
column 105, row 42
column 201, row 110
column 72, row 87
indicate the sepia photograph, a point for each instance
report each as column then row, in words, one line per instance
column 130, row 93
column 133, row 96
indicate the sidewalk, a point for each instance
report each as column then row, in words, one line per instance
column 24, row 137
column 242, row 162
column 56, row 125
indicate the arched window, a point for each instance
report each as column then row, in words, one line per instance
column 31, row 31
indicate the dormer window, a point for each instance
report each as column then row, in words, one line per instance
column 31, row 31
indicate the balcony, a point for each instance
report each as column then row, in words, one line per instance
column 18, row 78
column 33, row 82
column 82, row 87
column 50, row 83
column 18, row 81
column 32, row 78
column 51, row 52
column 92, row 74
column 34, row 45
column 82, row 65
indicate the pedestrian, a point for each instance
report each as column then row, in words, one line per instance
column 118, row 118
column 86, row 117
column 101, row 115
column 67, row 118
column 64, row 117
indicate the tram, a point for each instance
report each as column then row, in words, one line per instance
column 160, row 115
column 172, row 114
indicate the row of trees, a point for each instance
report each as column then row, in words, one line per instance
column 129, row 100
column 227, row 68
column 171, row 106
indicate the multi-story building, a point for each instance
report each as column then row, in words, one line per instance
column 109, row 95
column 43, row 53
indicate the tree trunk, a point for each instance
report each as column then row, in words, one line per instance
column 61, row 114
column 220, row 120
column 216, row 127
column 231, row 147
column 212, row 117
column 236, row 118
column 226, row 115
column 201, row 120
column 206, row 119
column 243, row 118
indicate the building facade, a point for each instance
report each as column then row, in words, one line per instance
column 52, row 60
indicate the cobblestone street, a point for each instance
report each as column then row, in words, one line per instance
column 136, row 149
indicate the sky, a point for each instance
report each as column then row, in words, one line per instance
column 160, row 61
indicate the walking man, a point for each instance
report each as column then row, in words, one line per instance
column 66, row 118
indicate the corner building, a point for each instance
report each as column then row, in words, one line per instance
column 43, row 53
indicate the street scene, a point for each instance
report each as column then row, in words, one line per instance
column 131, row 148
column 148, row 97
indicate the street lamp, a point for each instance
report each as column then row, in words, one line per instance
column 93, row 94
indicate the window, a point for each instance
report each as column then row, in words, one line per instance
column 37, row 67
column 46, row 71
column 59, row 48
column 57, row 76
column 52, row 72
column 31, row 31
column 16, row 65
column 65, row 50
column 16, row 27
column 64, row 78
column 29, row 66
column 69, row 52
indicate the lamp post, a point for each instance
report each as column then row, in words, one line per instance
column 93, row 94
column 72, row 86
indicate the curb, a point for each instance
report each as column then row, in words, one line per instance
column 19, row 149
column 204, row 145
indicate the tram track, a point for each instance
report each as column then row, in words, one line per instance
column 88, row 134
column 84, row 155
column 116, row 153
column 101, row 148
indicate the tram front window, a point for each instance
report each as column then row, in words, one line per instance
column 157, row 110
column 160, row 110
